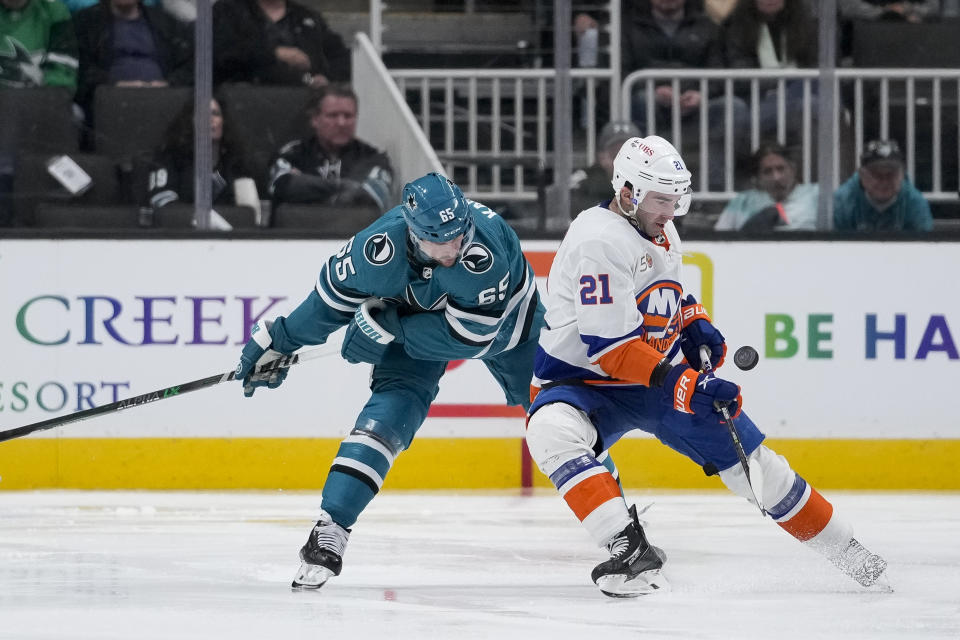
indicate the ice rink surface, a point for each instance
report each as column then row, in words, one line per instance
column 172, row 565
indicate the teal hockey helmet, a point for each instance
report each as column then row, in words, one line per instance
column 436, row 210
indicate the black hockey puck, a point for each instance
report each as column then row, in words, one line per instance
column 746, row 358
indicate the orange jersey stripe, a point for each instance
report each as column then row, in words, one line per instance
column 632, row 361
column 589, row 494
column 811, row 519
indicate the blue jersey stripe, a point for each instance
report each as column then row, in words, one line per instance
column 572, row 468
column 546, row 367
column 793, row 496
column 596, row 344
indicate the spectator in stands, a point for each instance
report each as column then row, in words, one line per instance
column 591, row 186
column 183, row 10
column 719, row 10
column 773, row 34
column 879, row 197
column 676, row 34
column 169, row 174
column 777, row 201
column 125, row 43
column 276, row 42
column 332, row 166
column 40, row 45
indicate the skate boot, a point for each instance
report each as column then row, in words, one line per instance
column 322, row 555
column 634, row 565
column 857, row 562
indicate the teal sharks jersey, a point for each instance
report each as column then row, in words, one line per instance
column 483, row 305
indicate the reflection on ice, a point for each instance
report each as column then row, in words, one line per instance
column 218, row 565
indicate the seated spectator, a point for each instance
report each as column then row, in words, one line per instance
column 773, row 34
column 275, row 42
column 668, row 34
column 332, row 166
column 879, row 197
column 778, row 201
column 40, row 44
column 719, row 10
column 125, row 43
column 169, row 174
column 591, row 186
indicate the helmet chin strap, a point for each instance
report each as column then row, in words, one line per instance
column 629, row 214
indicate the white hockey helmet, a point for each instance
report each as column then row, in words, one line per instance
column 652, row 164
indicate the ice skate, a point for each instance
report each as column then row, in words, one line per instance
column 857, row 562
column 634, row 565
column 322, row 555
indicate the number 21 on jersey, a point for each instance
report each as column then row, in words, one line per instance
column 588, row 289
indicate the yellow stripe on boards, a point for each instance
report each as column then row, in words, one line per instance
column 454, row 463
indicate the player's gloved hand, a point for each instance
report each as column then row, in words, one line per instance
column 698, row 331
column 256, row 352
column 374, row 326
column 690, row 391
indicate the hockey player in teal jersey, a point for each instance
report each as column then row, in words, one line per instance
column 435, row 279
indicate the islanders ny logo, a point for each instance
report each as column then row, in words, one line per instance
column 660, row 303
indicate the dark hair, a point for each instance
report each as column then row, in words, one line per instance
column 338, row 89
column 795, row 19
column 178, row 140
column 769, row 148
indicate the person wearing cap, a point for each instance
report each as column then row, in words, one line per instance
column 778, row 201
column 879, row 196
column 591, row 186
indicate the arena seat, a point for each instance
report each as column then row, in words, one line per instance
column 264, row 119
column 133, row 120
column 73, row 217
column 897, row 44
column 180, row 216
column 38, row 120
column 33, row 185
column 333, row 220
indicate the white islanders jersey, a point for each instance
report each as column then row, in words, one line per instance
column 608, row 285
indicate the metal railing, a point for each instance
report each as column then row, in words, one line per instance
column 918, row 107
column 496, row 122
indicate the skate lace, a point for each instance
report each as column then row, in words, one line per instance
column 331, row 536
column 618, row 546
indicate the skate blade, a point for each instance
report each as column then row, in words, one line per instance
column 881, row 584
column 310, row 576
column 619, row 586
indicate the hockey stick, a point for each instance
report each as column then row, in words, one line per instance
column 162, row 394
column 751, row 469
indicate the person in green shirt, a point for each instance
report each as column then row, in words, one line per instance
column 38, row 46
column 879, row 196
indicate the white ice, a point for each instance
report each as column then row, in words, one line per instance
column 145, row 565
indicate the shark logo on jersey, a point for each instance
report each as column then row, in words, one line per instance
column 477, row 258
column 378, row 249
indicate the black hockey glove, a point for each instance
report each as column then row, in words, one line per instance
column 374, row 327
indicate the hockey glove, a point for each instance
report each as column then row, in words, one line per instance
column 256, row 352
column 699, row 332
column 374, row 327
column 701, row 394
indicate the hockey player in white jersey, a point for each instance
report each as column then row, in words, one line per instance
column 622, row 351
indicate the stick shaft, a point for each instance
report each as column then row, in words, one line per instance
column 732, row 429
column 154, row 396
